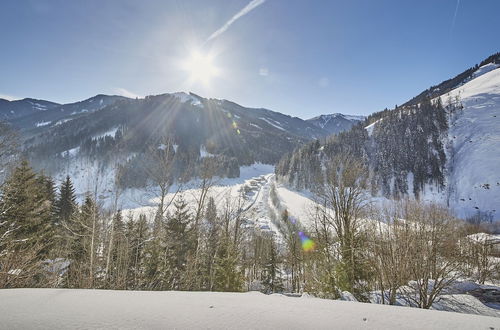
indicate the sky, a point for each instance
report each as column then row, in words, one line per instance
column 302, row 58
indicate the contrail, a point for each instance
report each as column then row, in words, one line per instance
column 454, row 17
column 248, row 8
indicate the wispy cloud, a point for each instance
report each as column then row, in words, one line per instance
column 248, row 8
column 9, row 97
column 125, row 92
column 454, row 17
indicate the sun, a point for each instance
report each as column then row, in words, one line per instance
column 201, row 67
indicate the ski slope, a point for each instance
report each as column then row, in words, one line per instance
column 103, row 309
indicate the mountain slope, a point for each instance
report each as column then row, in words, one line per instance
column 106, row 132
column 336, row 122
column 10, row 110
column 59, row 113
column 444, row 149
column 474, row 145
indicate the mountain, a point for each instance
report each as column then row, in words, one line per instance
column 441, row 147
column 55, row 114
column 104, row 134
column 336, row 122
column 10, row 110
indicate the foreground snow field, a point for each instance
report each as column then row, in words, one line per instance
column 92, row 309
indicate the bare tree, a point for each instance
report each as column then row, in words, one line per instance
column 159, row 167
column 435, row 256
column 342, row 205
column 391, row 245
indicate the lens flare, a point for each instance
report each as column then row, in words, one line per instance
column 307, row 243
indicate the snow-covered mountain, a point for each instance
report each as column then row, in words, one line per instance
column 56, row 114
column 10, row 110
column 473, row 146
column 104, row 132
column 336, row 122
column 447, row 152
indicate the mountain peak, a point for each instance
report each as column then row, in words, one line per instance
column 335, row 122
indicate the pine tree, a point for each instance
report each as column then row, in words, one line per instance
column 228, row 277
column 119, row 254
column 137, row 236
column 273, row 281
column 179, row 243
column 82, row 234
column 66, row 203
column 26, row 210
column 155, row 266
column 211, row 237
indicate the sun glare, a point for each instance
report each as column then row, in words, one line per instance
column 201, row 68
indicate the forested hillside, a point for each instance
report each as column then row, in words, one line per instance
column 403, row 149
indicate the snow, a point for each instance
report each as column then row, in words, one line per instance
column 88, row 175
column 254, row 125
column 137, row 201
column 300, row 205
column 474, row 140
column 371, row 127
column 71, row 152
column 485, row 69
column 484, row 237
column 43, row 123
column 38, row 106
column 15, row 272
column 62, row 121
column 323, row 120
column 271, row 123
column 111, row 132
column 204, row 153
column 354, row 117
column 184, row 97
column 104, row 309
column 77, row 112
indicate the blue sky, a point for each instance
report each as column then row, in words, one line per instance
column 302, row 58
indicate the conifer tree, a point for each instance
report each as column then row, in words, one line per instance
column 211, row 235
column 179, row 243
column 154, row 260
column 228, row 277
column 26, row 210
column 119, row 254
column 66, row 203
column 137, row 236
column 273, row 281
column 83, row 240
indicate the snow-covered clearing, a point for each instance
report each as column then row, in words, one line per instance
column 252, row 185
column 275, row 124
column 42, row 123
column 91, row 309
column 300, row 205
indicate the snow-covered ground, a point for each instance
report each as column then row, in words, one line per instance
column 474, row 138
column 252, row 188
column 102, row 309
